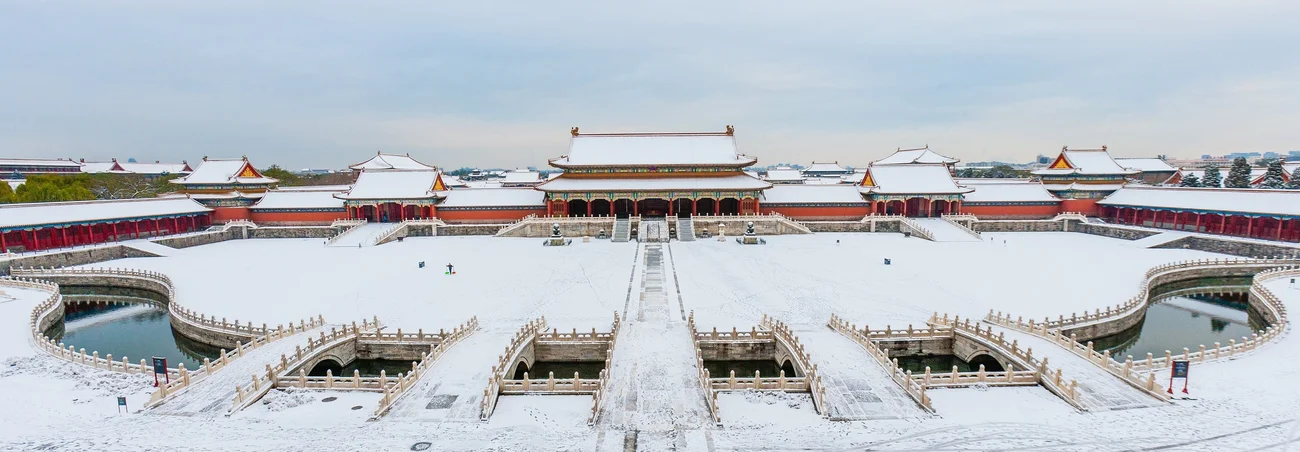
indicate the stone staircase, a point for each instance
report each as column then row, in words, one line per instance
column 685, row 229
column 622, row 230
column 653, row 230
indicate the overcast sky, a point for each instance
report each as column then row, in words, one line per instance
column 323, row 84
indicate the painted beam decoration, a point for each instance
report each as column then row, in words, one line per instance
column 641, row 195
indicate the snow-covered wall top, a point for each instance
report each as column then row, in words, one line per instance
column 54, row 213
column 1251, row 201
column 1009, row 192
column 702, row 149
column 737, row 182
column 299, row 199
column 799, row 194
column 494, row 197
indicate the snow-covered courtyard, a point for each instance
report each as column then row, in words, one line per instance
column 1248, row 403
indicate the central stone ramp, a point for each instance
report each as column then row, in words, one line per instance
column 653, row 393
column 213, row 396
column 1098, row 389
column 857, row 387
column 944, row 231
column 451, row 390
column 364, row 235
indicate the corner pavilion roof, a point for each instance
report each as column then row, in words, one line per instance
column 1084, row 162
column 395, row 185
column 716, row 149
column 391, row 162
column 919, row 179
column 224, row 172
column 919, row 155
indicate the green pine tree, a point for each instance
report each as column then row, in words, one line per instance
column 1212, row 177
column 1295, row 179
column 7, row 193
column 1238, row 175
column 1273, row 177
column 1190, row 181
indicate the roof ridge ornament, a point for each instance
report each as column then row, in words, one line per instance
column 573, row 131
column 731, row 130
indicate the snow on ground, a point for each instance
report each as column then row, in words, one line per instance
column 756, row 410
column 320, row 407
column 1248, row 403
column 804, row 278
column 497, row 279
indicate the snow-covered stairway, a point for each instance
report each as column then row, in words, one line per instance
column 213, row 396
column 857, row 387
column 363, row 235
column 653, row 392
column 1158, row 239
column 622, row 230
column 944, row 231
column 653, row 230
column 452, row 388
column 685, row 229
column 1098, row 389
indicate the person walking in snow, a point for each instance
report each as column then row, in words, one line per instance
column 451, row 269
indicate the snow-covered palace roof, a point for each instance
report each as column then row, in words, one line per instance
column 918, row 155
column 1008, row 192
column 17, row 216
column 494, row 197
column 1246, row 201
column 395, row 184
column 784, row 174
column 919, row 179
column 716, row 149
column 155, row 168
column 812, row 194
column 739, row 182
column 1145, row 164
column 1084, row 162
column 391, row 162
column 826, row 168
column 225, row 172
column 302, row 198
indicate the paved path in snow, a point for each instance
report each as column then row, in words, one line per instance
column 857, row 387
column 944, row 231
column 653, row 391
column 214, row 395
column 364, row 235
column 452, row 388
column 1098, row 389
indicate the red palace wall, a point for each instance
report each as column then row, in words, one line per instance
column 1083, row 206
column 297, row 217
column 488, row 216
column 819, row 213
column 1010, row 212
column 226, row 214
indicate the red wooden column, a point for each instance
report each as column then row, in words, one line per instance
column 717, row 206
column 549, row 206
column 636, row 208
column 695, row 206
column 36, row 241
column 1280, row 222
column 589, row 203
column 1250, row 225
column 65, row 235
column 137, row 228
column 3, row 247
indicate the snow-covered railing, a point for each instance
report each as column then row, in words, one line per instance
column 958, row 219
column 394, row 232
column 598, row 397
column 903, row 378
column 188, row 316
column 754, row 334
column 350, row 226
column 957, row 379
column 395, row 393
column 779, row 218
column 551, row 385
column 791, row 342
column 909, row 225
column 760, row 383
column 1128, row 368
column 522, row 337
column 1139, row 301
column 1070, row 216
column 702, row 373
column 1053, row 381
column 930, row 332
column 264, row 382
